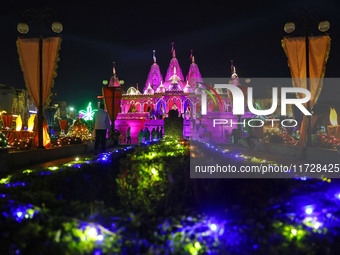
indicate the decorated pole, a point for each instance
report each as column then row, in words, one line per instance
column 112, row 95
column 307, row 57
column 38, row 56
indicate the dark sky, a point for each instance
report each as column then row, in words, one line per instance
column 126, row 32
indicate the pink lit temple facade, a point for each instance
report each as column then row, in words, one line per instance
column 160, row 95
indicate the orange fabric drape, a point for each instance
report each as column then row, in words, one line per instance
column 7, row 120
column 295, row 49
column 46, row 137
column 112, row 95
column 28, row 50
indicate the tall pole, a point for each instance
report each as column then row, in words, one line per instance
column 113, row 110
column 40, row 108
column 309, row 118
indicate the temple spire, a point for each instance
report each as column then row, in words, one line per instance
column 192, row 56
column 154, row 56
column 233, row 68
column 114, row 81
column 114, row 68
column 173, row 51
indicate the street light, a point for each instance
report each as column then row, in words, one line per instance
column 39, row 19
column 308, row 20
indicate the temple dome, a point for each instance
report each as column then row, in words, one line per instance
column 187, row 88
column 161, row 89
column 155, row 77
column 131, row 91
column 194, row 75
column 149, row 90
column 174, row 72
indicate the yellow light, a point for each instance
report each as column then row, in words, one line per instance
column 30, row 124
column 333, row 117
column 153, row 171
column 18, row 125
column 197, row 245
column 294, row 232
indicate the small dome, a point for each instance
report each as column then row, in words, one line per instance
column 187, row 88
column 161, row 88
column 132, row 91
column 149, row 90
column 174, row 85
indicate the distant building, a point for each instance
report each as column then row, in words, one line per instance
column 16, row 102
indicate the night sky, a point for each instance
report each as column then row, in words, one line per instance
column 126, row 32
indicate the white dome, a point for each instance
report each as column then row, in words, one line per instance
column 149, row 90
column 161, row 88
column 132, row 91
column 187, row 88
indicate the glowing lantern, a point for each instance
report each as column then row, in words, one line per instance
column 333, row 117
column 30, row 124
column 18, row 125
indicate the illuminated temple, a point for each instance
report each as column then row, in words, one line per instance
column 175, row 91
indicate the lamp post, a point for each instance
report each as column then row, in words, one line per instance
column 308, row 20
column 39, row 19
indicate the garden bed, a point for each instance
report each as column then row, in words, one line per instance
column 140, row 200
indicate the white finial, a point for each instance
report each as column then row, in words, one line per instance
column 174, row 69
column 192, row 57
column 154, row 56
column 114, row 68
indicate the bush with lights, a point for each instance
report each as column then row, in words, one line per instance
column 80, row 129
column 3, row 141
column 22, row 144
column 68, row 141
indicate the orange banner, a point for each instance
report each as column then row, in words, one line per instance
column 295, row 49
column 28, row 50
column 63, row 124
column 7, row 119
column 112, row 95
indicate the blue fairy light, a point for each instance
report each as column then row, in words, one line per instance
column 309, row 209
column 337, row 195
column 213, row 227
column 100, row 238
